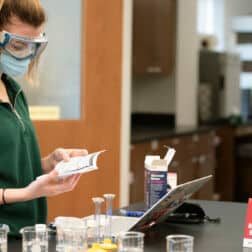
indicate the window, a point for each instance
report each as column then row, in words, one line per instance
column 206, row 16
column 60, row 69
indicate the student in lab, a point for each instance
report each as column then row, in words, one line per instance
column 22, row 197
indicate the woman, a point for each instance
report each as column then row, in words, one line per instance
column 22, row 196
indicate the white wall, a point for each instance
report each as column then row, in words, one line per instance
column 126, row 103
column 234, row 8
column 187, row 63
column 153, row 94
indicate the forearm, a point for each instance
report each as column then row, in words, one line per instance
column 11, row 195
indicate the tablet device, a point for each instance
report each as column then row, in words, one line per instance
column 161, row 209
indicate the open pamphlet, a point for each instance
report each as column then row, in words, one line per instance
column 81, row 164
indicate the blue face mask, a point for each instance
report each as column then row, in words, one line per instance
column 12, row 66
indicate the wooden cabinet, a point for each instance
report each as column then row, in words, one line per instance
column 225, row 165
column 154, row 36
column 194, row 158
column 233, row 163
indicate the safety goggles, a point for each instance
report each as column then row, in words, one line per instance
column 22, row 47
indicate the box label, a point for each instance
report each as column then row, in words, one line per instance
column 155, row 186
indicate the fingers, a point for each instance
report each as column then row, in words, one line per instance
column 62, row 154
column 58, row 155
column 54, row 175
column 75, row 180
column 65, row 154
column 77, row 152
column 51, row 184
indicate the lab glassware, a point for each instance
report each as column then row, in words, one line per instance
column 179, row 243
column 109, row 207
column 97, row 216
column 4, row 229
column 74, row 239
column 35, row 238
column 71, row 234
column 131, row 242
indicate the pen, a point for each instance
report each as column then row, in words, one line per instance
column 131, row 213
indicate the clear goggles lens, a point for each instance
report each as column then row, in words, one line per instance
column 22, row 47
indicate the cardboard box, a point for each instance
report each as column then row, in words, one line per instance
column 155, row 179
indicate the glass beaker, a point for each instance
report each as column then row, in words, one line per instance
column 71, row 234
column 179, row 243
column 4, row 229
column 35, row 238
column 131, row 242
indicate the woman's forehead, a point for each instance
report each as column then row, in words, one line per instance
column 17, row 27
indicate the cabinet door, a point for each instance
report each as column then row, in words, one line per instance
column 203, row 145
column 185, row 170
column 138, row 152
column 181, row 144
column 225, row 164
column 153, row 36
column 137, row 157
column 182, row 162
column 205, row 167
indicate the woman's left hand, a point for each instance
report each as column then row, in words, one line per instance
column 50, row 161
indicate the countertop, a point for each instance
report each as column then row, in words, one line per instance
column 146, row 127
column 144, row 133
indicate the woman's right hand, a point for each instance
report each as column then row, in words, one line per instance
column 51, row 185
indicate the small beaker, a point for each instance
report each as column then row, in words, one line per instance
column 35, row 238
column 131, row 242
column 71, row 234
column 179, row 243
column 4, row 229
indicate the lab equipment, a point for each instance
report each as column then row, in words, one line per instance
column 97, row 216
column 131, row 242
column 21, row 47
column 109, row 207
column 71, row 234
column 4, row 229
column 35, row 238
column 178, row 242
column 108, row 245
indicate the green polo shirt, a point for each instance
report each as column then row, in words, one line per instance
column 20, row 161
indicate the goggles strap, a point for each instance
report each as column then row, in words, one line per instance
column 5, row 38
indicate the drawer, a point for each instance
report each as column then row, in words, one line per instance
column 202, row 144
column 182, row 145
column 184, row 169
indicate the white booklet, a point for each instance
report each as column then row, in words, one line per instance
column 81, row 164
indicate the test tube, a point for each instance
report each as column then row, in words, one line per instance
column 109, row 207
column 97, row 202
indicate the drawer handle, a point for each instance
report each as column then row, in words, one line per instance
column 202, row 159
column 154, row 69
column 195, row 160
column 195, row 138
